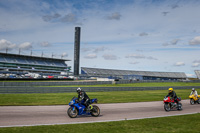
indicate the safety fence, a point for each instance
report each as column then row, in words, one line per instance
column 4, row 90
column 54, row 83
column 65, row 83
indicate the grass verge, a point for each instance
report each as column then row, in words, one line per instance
column 181, row 124
column 103, row 97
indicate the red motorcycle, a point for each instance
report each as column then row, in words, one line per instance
column 170, row 104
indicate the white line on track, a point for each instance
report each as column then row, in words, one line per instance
column 98, row 121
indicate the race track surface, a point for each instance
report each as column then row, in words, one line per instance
column 11, row 116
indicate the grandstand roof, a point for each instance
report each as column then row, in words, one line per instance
column 15, row 62
column 109, row 72
column 197, row 72
column 36, row 57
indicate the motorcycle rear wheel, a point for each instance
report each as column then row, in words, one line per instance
column 95, row 111
column 167, row 107
column 72, row 113
column 198, row 101
column 192, row 101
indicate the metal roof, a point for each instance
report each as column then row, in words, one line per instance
column 197, row 72
column 35, row 57
column 112, row 72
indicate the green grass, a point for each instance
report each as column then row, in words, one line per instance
column 154, row 84
column 180, row 124
column 103, row 97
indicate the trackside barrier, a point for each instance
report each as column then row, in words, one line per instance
column 53, row 83
column 4, row 90
column 60, row 83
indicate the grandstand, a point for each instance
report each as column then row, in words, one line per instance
column 133, row 75
column 197, row 72
column 14, row 63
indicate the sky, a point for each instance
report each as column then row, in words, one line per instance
column 141, row 35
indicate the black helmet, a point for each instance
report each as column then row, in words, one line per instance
column 78, row 90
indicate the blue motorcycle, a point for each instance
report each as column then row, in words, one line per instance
column 78, row 108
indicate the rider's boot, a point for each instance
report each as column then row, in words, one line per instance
column 88, row 108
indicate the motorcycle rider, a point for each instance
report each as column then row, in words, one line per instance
column 172, row 94
column 83, row 96
column 194, row 92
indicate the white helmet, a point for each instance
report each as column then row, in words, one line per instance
column 193, row 89
column 78, row 90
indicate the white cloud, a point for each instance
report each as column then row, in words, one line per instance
column 48, row 18
column 64, row 54
column 45, row 44
column 174, row 6
column 91, row 56
column 110, row 57
column 69, row 18
column 114, row 16
column 165, row 13
column 179, row 64
column 195, row 64
column 143, row 34
column 95, row 50
column 4, row 44
column 25, row 46
column 86, row 49
column 100, row 49
column 196, row 61
column 45, row 6
column 134, row 62
column 195, row 41
column 139, row 56
column 151, row 58
column 173, row 42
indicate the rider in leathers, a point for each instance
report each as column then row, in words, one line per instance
column 83, row 96
column 194, row 92
column 172, row 94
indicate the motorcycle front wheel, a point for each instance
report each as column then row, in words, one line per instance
column 179, row 106
column 167, row 107
column 72, row 113
column 95, row 111
column 192, row 101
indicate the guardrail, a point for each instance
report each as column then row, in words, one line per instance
column 4, row 90
column 60, row 83
column 53, row 83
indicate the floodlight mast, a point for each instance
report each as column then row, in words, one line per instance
column 77, row 50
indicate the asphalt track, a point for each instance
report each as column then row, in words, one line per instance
column 12, row 116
